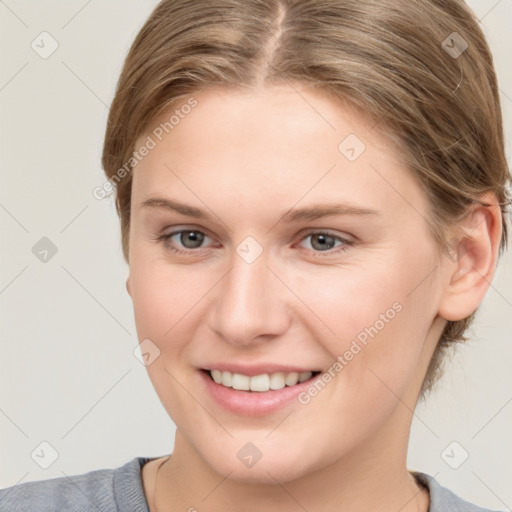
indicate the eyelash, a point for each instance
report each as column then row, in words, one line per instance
column 165, row 239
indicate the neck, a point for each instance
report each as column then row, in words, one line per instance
column 373, row 477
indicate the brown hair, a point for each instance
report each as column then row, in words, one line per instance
column 420, row 68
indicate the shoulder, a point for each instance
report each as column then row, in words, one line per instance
column 108, row 490
column 444, row 500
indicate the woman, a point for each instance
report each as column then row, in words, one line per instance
column 312, row 196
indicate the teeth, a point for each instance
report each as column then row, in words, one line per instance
column 217, row 376
column 241, row 382
column 261, row 383
column 291, row 379
column 305, row 376
column 227, row 379
column 277, row 381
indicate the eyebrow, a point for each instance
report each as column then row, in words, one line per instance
column 293, row 215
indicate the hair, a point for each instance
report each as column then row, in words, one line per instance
column 421, row 69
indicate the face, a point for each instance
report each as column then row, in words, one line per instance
column 267, row 242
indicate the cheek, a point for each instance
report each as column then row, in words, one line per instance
column 343, row 302
column 164, row 302
column 375, row 318
column 154, row 304
column 162, row 295
column 376, row 355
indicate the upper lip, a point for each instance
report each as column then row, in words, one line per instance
column 257, row 369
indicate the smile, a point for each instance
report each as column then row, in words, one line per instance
column 260, row 383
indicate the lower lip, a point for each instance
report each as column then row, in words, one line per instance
column 252, row 403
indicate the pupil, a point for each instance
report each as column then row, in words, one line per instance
column 324, row 241
column 191, row 239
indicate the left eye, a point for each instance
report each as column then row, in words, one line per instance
column 324, row 241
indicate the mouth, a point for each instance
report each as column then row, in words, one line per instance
column 259, row 383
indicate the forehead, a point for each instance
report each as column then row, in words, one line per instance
column 299, row 116
column 281, row 143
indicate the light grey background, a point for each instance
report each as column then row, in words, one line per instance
column 68, row 374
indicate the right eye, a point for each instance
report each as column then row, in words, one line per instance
column 184, row 241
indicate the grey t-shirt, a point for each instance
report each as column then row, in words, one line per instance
column 120, row 490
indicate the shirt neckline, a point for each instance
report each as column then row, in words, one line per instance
column 129, row 491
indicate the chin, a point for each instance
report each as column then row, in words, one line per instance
column 276, row 463
column 271, row 471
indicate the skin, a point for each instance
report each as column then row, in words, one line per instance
column 247, row 157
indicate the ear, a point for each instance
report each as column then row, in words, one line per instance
column 128, row 286
column 470, row 273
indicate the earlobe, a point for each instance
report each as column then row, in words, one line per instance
column 128, row 286
column 470, row 273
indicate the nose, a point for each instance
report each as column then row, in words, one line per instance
column 250, row 305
